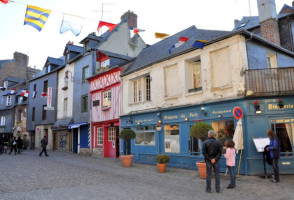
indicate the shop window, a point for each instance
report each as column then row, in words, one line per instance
column 85, row 73
column 224, row 130
column 141, row 89
column 111, row 134
column 99, row 136
column 145, row 135
column 8, row 103
column 84, row 103
column 107, row 98
column 271, row 60
column 195, row 146
column 62, row 140
column 172, row 138
column 194, row 77
column 284, row 130
column 2, row 122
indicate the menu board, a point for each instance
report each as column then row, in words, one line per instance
column 260, row 143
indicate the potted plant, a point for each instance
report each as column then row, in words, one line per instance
column 127, row 135
column 256, row 105
column 281, row 103
column 161, row 162
column 158, row 127
column 200, row 131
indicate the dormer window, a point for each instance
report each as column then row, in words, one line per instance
column 105, row 63
column 86, row 46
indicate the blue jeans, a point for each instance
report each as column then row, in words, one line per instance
column 209, row 167
column 232, row 175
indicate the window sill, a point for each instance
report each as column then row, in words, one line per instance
column 138, row 103
column 170, row 98
column 194, row 93
column 105, row 108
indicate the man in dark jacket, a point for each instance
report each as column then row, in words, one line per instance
column 13, row 146
column 43, row 145
column 212, row 151
column 19, row 144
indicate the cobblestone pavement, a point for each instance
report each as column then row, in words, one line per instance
column 70, row 176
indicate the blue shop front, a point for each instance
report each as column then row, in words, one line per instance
column 173, row 137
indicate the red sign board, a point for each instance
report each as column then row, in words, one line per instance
column 238, row 112
column 49, row 97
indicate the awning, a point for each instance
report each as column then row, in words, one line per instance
column 76, row 125
column 61, row 124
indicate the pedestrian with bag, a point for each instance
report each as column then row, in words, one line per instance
column 274, row 149
column 212, row 151
column 44, row 145
column 230, row 156
column 19, row 144
column 13, row 146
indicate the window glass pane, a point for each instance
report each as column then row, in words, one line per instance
column 99, row 136
column 107, row 99
column 195, row 146
column 196, row 75
column 111, row 134
column 139, row 90
column 149, row 138
column 135, row 91
column 148, row 89
column 284, row 132
column 224, row 130
column 172, row 138
column 139, row 138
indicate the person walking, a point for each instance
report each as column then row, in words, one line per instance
column 212, row 151
column 43, row 145
column 19, row 144
column 230, row 156
column 13, row 146
column 1, row 144
column 274, row 149
column 5, row 144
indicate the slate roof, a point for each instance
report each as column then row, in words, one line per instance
column 286, row 6
column 74, row 48
column 55, row 61
column 253, row 21
column 115, row 55
column 160, row 50
column 14, row 79
column 92, row 37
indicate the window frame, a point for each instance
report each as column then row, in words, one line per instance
column 8, row 100
column 2, row 120
column 19, row 114
column 84, row 109
column 174, row 124
column 111, row 134
column 271, row 59
column 84, row 75
column 141, row 89
column 145, row 131
column 44, row 113
column 100, row 138
column 108, row 97
column 45, row 86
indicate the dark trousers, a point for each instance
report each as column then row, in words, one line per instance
column 276, row 169
column 43, row 150
column 232, row 175
column 13, row 147
column 209, row 167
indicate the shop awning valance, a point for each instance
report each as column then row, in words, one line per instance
column 76, row 125
column 62, row 124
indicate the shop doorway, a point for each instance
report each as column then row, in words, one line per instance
column 75, row 140
column 110, row 144
column 117, row 142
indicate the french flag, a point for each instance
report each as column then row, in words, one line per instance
column 181, row 41
column 25, row 93
column 11, row 92
column 136, row 30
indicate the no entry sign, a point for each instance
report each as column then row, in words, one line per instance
column 238, row 112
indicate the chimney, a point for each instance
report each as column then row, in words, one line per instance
column 70, row 42
column 132, row 18
column 269, row 26
column 292, row 3
column 236, row 21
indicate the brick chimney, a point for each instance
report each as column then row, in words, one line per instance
column 132, row 18
column 268, row 21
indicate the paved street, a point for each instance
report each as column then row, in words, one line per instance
column 69, row 176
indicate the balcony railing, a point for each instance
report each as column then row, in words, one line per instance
column 270, row 82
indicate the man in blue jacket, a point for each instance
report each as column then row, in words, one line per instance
column 274, row 149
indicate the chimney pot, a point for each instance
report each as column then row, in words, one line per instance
column 132, row 21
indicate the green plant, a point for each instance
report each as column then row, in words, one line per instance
column 200, row 130
column 162, row 159
column 127, row 135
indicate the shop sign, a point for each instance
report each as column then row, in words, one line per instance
column 170, row 117
column 189, row 115
column 221, row 111
column 49, row 97
column 148, row 120
column 37, row 129
column 273, row 106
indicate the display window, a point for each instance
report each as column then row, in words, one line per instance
column 172, row 138
column 145, row 135
column 224, row 130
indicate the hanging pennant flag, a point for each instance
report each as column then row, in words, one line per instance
column 25, row 93
column 136, row 30
column 181, row 41
column 109, row 25
column 4, row 1
column 199, row 44
column 44, row 94
column 36, row 17
column 71, row 23
column 11, row 92
column 161, row 35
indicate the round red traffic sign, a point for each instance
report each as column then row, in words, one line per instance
column 238, row 112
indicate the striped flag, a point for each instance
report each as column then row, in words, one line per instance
column 181, row 41
column 109, row 25
column 25, row 93
column 4, row 1
column 136, row 30
column 36, row 17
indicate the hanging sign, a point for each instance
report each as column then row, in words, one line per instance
column 49, row 97
column 238, row 112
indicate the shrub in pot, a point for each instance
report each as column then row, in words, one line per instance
column 200, row 131
column 161, row 162
column 127, row 135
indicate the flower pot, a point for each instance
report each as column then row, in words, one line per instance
column 161, row 167
column 201, row 168
column 158, row 128
column 127, row 160
column 281, row 106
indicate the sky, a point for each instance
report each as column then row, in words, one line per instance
column 165, row 16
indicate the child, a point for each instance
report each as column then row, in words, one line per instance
column 230, row 158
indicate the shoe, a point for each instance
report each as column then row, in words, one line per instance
column 208, row 190
column 47, row 155
column 217, row 190
column 230, row 186
column 274, row 181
